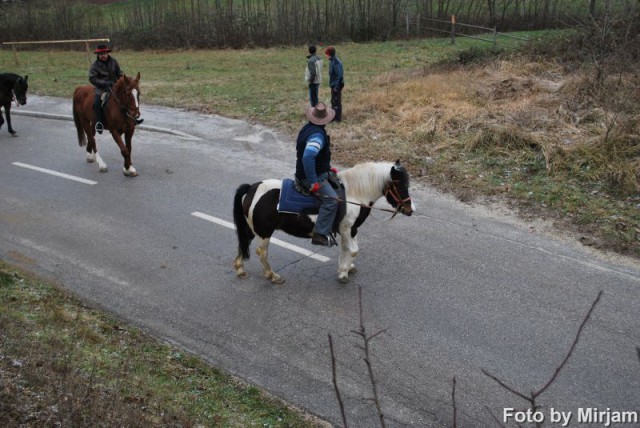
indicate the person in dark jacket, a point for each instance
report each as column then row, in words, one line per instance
column 313, row 164
column 336, row 81
column 103, row 74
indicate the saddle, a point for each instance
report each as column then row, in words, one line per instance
column 295, row 198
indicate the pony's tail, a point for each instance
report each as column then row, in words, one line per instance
column 82, row 138
column 242, row 227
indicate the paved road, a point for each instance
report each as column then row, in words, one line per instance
column 456, row 288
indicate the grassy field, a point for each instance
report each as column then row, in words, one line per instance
column 65, row 364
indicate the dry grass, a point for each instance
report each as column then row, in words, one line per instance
column 514, row 127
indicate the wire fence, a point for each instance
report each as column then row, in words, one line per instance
column 415, row 25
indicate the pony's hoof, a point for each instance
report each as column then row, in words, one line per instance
column 14, row 134
column 104, row 169
column 242, row 275
column 344, row 280
column 278, row 281
column 353, row 270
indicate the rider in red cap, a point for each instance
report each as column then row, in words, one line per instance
column 103, row 74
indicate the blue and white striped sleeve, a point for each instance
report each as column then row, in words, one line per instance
column 315, row 143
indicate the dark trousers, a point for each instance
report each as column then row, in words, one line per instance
column 313, row 93
column 336, row 103
column 97, row 108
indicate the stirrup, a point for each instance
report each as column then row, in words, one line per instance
column 99, row 127
column 139, row 121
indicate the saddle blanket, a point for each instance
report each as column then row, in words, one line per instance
column 293, row 202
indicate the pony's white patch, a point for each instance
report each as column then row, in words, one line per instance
column 263, row 188
column 55, row 173
column 275, row 241
column 135, row 97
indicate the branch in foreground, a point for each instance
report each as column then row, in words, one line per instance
column 532, row 398
column 367, row 360
column 335, row 383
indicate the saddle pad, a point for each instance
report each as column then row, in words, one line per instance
column 293, row 202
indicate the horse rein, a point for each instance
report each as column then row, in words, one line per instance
column 390, row 189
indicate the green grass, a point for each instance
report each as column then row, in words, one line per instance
column 264, row 85
column 95, row 370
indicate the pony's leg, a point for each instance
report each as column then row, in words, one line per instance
column 348, row 251
column 238, row 265
column 263, row 253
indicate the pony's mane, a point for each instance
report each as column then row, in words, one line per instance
column 366, row 178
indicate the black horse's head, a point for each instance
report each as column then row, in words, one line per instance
column 20, row 89
column 397, row 191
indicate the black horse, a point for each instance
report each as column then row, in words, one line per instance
column 12, row 88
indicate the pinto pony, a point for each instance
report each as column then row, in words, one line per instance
column 12, row 88
column 255, row 213
column 120, row 114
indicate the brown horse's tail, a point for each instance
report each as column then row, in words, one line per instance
column 245, row 235
column 77, row 105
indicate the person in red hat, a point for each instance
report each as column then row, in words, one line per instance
column 336, row 81
column 313, row 164
column 103, row 74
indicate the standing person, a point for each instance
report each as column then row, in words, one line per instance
column 313, row 75
column 313, row 163
column 336, row 81
column 103, row 74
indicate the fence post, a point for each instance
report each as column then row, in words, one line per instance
column 418, row 26
column 15, row 54
column 406, row 17
column 86, row 46
column 453, row 29
column 495, row 36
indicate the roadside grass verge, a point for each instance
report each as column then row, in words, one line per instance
column 63, row 363
column 473, row 119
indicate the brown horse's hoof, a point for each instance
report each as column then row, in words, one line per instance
column 105, row 169
column 344, row 280
column 242, row 275
column 130, row 172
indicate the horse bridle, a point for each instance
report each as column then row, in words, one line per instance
column 391, row 190
column 124, row 108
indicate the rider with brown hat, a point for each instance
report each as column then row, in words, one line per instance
column 103, row 74
column 313, row 165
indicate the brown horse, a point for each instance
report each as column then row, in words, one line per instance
column 119, row 117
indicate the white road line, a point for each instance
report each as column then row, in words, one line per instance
column 56, row 173
column 275, row 241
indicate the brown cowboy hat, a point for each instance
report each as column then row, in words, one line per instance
column 100, row 49
column 320, row 114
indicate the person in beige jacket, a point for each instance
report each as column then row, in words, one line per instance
column 313, row 75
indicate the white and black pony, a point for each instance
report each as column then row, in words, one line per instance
column 12, row 88
column 255, row 213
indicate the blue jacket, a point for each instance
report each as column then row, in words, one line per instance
column 336, row 73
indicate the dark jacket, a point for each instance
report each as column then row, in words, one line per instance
column 103, row 74
column 336, row 73
column 323, row 159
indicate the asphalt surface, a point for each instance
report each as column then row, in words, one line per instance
column 456, row 288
